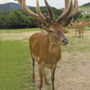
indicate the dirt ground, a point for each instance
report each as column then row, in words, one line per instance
column 16, row 36
column 73, row 71
column 75, row 75
column 24, row 35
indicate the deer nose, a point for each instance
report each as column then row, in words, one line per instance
column 65, row 41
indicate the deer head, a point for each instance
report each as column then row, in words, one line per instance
column 54, row 30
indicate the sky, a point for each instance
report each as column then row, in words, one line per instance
column 54, row 3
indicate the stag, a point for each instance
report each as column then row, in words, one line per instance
column 45, row 46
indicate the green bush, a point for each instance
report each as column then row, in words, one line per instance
column 19, row 19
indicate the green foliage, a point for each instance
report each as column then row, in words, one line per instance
column 19, row 19
column 86, row 17
column 80, row 16
column 16, row 19
column 1, row 19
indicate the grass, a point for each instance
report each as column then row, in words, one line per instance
column 86, row 8
column 26, row 30
column 18, row 30
column 77, row 45
column 15, row 65
column 86, row 28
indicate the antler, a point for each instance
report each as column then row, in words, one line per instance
column 74, row 9
column 37, row 16
column 26, row 9
column 66, row 4
column 50, row 18
column 65, row 13
column 40, row 14
column 68, row 13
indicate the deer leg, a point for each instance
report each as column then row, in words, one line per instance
column 33, row 64
column 45, row 79
column 79, row 34
column 52, row 77
column 75, row 32
column 82, row 34
column 41, row 74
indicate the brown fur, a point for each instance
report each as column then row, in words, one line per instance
column 41, row 48
column 87, row 24
column 45, row 49
column 66, row 31
column 79, row 29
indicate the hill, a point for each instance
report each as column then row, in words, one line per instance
column 8, row 7
column 85, row 7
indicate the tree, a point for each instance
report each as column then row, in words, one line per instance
column 1, row 19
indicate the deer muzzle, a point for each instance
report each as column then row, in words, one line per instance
column 65, row 41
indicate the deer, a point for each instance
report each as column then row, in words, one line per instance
column 69, row 26
column 79, row 28
column 45, row 46
column 87, row 24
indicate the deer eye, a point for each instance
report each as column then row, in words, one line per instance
column 50, row 31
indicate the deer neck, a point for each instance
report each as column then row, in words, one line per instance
column 52, row 45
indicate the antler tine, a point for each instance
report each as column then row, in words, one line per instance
column 39, row 13
column 66, row 4
column 27, row 10
column 49, row 11
column 65, row 13
column 74, row 10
